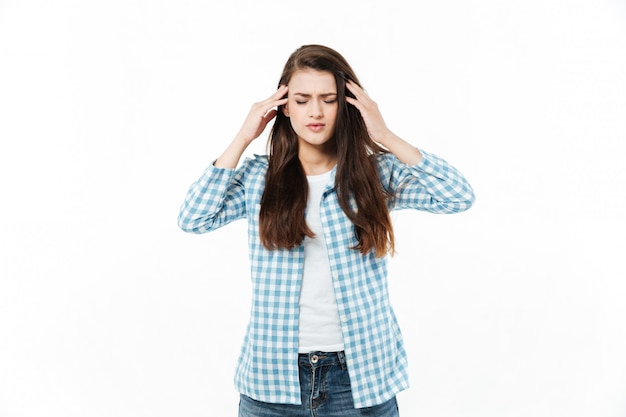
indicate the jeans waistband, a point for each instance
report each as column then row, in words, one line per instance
column 318, row 358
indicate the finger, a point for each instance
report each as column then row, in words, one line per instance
column 280, row 92
column 269, row 116
column 278, row 103
column 355, row 102
column 264, row 106
column 355, row 89
column 278, row 98
column 359, row 93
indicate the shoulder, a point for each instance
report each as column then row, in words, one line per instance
column 260, row 160
column 387, row 163
column 251, row 172
column 385, row 158
column 254, row 164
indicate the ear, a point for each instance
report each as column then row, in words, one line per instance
column 285, row 110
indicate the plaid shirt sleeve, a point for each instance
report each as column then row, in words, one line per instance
column 431, row 185
column 214, row 200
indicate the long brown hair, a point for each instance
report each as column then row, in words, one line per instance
column 360, row 192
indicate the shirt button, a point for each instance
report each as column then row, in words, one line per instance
column 314, row 359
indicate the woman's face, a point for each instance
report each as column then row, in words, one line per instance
column 312, row 108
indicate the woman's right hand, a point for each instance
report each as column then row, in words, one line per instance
column 260, row 115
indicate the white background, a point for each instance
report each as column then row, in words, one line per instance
column 109, row 110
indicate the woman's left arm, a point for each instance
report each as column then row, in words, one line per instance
column 377, row 128
column 423, row 181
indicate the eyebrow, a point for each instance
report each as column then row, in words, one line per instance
column 305, row 95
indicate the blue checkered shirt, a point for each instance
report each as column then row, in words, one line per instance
column 267, row 369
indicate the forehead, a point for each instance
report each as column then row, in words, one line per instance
column 311, row 81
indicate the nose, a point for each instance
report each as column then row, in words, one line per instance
column 316, row 109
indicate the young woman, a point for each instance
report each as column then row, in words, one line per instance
column 322, row 338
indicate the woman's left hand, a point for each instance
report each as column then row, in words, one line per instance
column 369, row 112
column 377, row 128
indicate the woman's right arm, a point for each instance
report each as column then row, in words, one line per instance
column 217, row 198
column 259, row 116
column 214, row 200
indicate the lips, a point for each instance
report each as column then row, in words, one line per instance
column 315, row 127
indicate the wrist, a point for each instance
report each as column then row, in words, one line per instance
column 386, row 139
column 241, row 140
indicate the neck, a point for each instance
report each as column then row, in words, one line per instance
column 317, row 161
column 317, row 166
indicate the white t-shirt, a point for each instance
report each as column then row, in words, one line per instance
column 319, row 317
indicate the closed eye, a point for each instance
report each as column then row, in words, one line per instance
column 329, row 98
column 325, row 101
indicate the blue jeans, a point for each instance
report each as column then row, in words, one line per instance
column 325, row 392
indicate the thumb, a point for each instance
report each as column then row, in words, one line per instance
column 269, row 116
